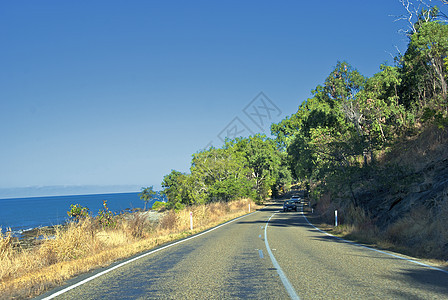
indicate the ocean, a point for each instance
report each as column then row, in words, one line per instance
column 21, row 214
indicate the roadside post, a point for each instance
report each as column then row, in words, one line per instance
column 191, row 220
column 249, row 207
column 336, row 218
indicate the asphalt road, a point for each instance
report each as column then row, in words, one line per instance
column 232, row 262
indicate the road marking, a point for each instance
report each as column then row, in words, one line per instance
column 376, row 250
column 292, row 293
column 260, row 253
column 138, row 257
column 259, row 236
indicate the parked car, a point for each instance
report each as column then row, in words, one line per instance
column 289, row 205
column 296, row 199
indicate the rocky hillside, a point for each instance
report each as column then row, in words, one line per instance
column 405, row 197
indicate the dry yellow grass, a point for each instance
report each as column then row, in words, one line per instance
column 80, row 247
column 420, row 233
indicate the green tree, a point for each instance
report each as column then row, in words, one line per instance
column 213, row 169
column 286, row 130
column 147, row 194
column 261, row 158
column 179, row 189
column 171, row 185
column 326, row 135
column 383, row 115
column 243, row 167
column 422, row 66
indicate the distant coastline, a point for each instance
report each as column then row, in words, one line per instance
column 64, row 190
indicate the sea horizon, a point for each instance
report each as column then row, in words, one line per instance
column 65, row 190
column 25, row 213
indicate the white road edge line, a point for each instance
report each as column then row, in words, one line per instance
column 138, row 257
column 376, row 250
column 289, row 288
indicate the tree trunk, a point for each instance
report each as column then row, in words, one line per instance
column 438, row 69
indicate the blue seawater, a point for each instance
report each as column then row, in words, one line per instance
column 21, row 214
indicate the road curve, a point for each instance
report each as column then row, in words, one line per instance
column 232, row 262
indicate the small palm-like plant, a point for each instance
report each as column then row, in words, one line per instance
column 147, row 194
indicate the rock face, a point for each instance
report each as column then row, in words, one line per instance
column 429, row 189
column 420, row 179
column 407, row 196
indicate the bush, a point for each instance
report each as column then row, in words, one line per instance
column 78, row 211
column 105, row 216
column 159, row 206
column 6, row 244
column 179, row 206
column 137, row 226
column 168, row 222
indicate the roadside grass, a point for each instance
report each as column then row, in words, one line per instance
column 414, row 235
column 418, row 225
column 85, row 245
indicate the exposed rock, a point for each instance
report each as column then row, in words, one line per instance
column 423, row 181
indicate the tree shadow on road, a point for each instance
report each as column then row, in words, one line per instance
column 421, row 277
column 424, row 279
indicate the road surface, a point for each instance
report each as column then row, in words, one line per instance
column 233, row 262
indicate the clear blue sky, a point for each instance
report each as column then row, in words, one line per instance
column 120, row 92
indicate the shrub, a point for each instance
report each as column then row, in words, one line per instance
column 106, row 217
column 168, row 222
column 137, row 226
column 6, row 244
column 78, row 211
column 179, row 206
column 159, row 206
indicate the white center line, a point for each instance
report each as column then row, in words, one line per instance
column 292, row 293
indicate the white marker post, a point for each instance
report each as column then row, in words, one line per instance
column 336, row 218
column 191, row 220
column 249, row 207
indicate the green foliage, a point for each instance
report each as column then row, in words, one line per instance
column 329, row 130
column 231, row 189
column 178, row 206
column 78, row 211
column 334, row 139
column 105, row 217
column 147, row 194
column 242, row 168
column 436, row 117
column 261, row 159
column 158, row 205
column 285, row 131
column 423, row 66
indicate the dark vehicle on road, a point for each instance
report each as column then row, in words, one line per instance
column 296, row 199
column 289, row 205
